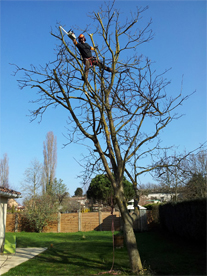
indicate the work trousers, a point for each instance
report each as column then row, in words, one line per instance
column 89, row 62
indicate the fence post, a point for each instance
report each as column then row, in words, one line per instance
column 100, row 220
column 120, row 222
column 79, row 220
column 59, row 222
column 16, row 223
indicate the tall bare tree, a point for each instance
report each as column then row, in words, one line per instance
column 4, row 171
column 33, row 177
column 120, row 113
column 50, row 160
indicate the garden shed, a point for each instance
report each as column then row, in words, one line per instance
column 5, row 194
column 141, row 224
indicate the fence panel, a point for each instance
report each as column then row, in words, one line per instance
column 69, row 222
column 89, row 221
column 74, row 222
column 10, row 222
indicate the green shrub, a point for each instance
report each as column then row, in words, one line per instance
column 149, row 206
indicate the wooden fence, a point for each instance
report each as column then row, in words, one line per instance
column 74, row 222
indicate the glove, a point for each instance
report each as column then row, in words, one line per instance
column 71, row 35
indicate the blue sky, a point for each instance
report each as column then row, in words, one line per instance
column 179, row 42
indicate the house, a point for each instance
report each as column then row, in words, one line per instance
column 157, row 197
column 5, row 194
column 12, row 204
column 79, row 202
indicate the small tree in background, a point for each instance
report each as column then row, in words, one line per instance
column 50, row 160
column 33, row 177
column 78, row 192
column 100, row 190
column 196, row 187
column 59, row 193
column 4, row 171
column 39, row 211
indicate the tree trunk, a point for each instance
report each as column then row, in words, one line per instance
column 131, row 243
column 130, row 238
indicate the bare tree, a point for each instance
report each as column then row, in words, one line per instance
column 4, row 171
column 50, row 160
column 197, row 163
column 33, row 177
column 196, row 172
column 170, row 174
column 120, row 113
column 175, row 171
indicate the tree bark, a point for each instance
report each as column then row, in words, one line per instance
column 130, row 238
column 133, row 252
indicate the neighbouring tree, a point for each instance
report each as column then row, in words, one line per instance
column 100, row 190
column 4, row 171
column 50, row 160
column 196, row 175
column 33, row 177
column 39, row 211
column 79, row 192
column 197, row 163
column 120, row 114
column 59, row 192
column 171, row 175
column 196, row 187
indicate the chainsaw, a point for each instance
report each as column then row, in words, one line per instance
column 70, row 33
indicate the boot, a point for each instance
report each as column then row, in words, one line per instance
column 108, row 69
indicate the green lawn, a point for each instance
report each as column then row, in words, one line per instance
column 72, row 254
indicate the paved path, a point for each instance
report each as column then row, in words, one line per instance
column 8, row 261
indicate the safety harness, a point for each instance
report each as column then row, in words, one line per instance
column 90, row 59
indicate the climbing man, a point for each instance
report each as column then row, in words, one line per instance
column 85, row 51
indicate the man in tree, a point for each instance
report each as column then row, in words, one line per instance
column 85, row 51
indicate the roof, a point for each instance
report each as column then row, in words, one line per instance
column 131, row 207
column 9, row 193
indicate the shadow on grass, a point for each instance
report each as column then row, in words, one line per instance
column 85, row 255
column 45, row 239
column 171, row 255
column 71, row 254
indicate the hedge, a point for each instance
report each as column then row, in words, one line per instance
column 186, row 219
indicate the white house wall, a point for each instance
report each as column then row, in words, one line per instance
column 160, row 196
column 3, row 212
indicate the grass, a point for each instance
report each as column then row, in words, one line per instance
column 72, row 254
column 170, row 255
